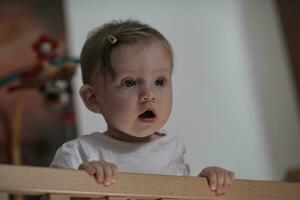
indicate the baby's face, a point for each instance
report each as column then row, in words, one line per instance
column 138, row 102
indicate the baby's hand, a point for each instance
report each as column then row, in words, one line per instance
column 219, row 179
column 104, row 172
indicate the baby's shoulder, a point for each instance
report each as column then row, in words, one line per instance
column 173, row 138
column 168, row 134
column 90, row 139
column 168, row 137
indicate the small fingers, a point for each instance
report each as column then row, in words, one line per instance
column 88, row 168
column 114, row 172
column 104, row 172
column 108, row 174
column 220, row 182
column 232, row 176
column 219, row 179
column 227, row 182
column 211, row 176
column 99, row 174
column 225, row 179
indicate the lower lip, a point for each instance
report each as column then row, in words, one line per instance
column 149, row 120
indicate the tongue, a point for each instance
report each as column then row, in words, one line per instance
column 147, row 114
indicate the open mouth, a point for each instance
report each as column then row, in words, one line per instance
column 147, row 115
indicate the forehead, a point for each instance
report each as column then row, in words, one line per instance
column 149, row 56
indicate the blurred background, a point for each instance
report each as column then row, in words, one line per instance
column 33, row 122
column 236, row 80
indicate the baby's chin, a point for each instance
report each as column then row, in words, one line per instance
column 144, row 133
column 141, row 135
column 147, row 136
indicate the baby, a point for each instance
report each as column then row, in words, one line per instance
column 127, row 75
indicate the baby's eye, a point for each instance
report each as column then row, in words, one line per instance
column 129, row 83
column 160, row 82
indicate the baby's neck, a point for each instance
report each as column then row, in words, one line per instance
column 128, row 138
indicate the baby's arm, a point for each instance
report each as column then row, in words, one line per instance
column 219, row 179
column 104, row 172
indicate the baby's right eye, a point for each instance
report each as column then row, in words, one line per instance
column 128, row 82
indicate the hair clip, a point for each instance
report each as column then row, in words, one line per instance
column 112, row 39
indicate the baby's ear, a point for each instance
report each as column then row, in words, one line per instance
column 90, row 99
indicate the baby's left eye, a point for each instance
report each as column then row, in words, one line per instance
column 160, row 82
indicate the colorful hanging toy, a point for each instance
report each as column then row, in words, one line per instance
column 45, row 49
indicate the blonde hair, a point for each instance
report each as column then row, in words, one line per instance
column 95, row 56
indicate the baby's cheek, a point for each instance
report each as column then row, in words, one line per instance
column 122, row 113
column 166, row 106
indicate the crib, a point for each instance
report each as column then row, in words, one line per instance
column 61, row 184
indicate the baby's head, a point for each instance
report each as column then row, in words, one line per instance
column 126, row 71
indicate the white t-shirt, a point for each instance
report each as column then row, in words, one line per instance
column 161, row 156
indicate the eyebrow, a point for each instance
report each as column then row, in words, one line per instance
column 133, row 71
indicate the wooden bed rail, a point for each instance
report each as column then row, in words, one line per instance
column 60, row 184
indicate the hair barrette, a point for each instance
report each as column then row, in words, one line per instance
column 112, row 39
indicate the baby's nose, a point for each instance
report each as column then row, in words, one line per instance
column 148, row 96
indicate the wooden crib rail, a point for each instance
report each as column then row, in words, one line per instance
column 62, row 183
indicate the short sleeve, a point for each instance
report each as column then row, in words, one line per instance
column 186, row 171
column 182, row 151
column 67, row 156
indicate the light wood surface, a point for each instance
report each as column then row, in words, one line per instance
column 39, row 180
